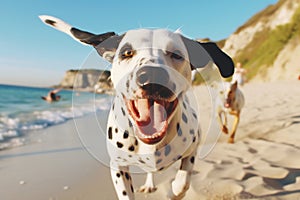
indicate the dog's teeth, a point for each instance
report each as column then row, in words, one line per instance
column 156, row 135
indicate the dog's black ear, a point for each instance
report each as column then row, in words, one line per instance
column 90, row 38
column 221, row 59
column 105, row 44
column 201, row 53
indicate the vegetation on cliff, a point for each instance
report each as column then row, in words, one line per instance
column 262, row 51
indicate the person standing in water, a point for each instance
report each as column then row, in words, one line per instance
column 52, row 96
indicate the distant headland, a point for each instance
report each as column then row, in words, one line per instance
column 90, row 80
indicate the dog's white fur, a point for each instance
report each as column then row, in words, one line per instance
column 172, row 55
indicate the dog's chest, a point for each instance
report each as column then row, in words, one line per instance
column 126, row 149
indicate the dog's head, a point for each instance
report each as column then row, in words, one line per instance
column 151, row 69
column 228, row 93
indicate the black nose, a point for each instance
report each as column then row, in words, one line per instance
column 152, row 75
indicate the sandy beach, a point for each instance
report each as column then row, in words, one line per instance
column 264, row 162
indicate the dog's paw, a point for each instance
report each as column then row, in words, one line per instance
column 181, row 190
column 172, row 196
column 225, row 129
column 147, row 189
column 230, row 141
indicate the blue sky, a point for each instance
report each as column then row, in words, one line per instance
column 36, row 55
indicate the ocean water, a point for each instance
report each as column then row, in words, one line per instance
column 22, row 110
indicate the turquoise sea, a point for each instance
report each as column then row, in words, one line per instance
column 22, row 110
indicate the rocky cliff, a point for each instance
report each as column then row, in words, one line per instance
column 88, row 80
column 268, row 43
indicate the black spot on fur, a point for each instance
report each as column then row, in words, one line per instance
column 184, row 118
column 158, row 161
column 192, row 159
column 167, row 150
column 119, row 144
column 161, row 168
column 177, row 158
column 184, row 105
column 157, row 153
column 131, row 187
column 110, row 133
column 194, row 115
column 192, row 131
column 113, row 106
column 123, row 111
column 136, row 142
column 126, row 134
column 141, row 161
column 130, row 156
column 179, row 131
column 116, row 130
column 127, row 176
column 51, row 22
column 122, row 173
column 124, row 193
column 118, row 175
column 129, row 123
column 194, row 138
column 131, row 148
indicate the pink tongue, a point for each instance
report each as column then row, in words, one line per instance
column 152, row 116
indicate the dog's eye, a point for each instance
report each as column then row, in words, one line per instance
column 127, row 53
column 177, row 55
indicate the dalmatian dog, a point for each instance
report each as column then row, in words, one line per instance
column 151, row 123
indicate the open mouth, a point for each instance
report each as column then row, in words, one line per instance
column 151, row 117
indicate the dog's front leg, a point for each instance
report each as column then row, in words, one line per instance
column 224, row 125
column 181, row 183
column 122, row 182
column 234, row 127
column 149, row 186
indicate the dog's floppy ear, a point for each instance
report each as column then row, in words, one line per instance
column 234, row 85
column 105, row 44
column 221, row 59
column 201, row 53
